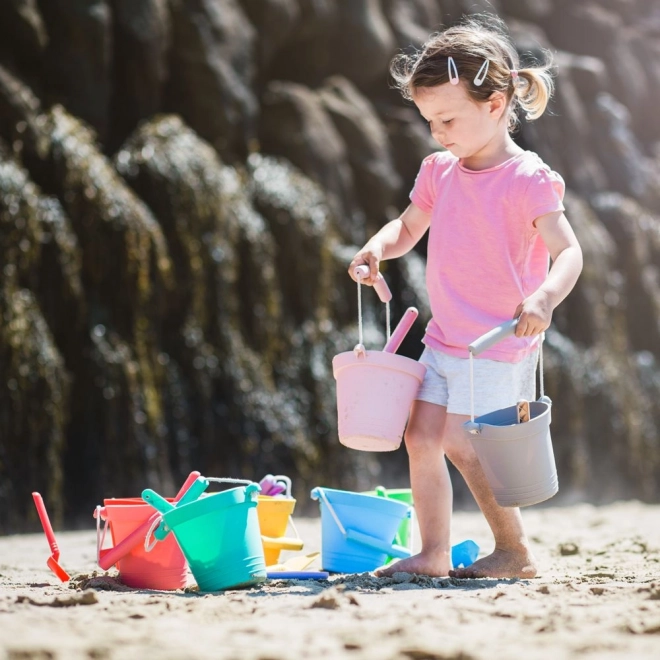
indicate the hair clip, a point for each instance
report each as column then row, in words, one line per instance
column 452, row 70
column 482, row 73
column 514, row 74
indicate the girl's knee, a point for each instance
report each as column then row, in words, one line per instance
column 460, row 453
column 425, row 428
column 419, row 440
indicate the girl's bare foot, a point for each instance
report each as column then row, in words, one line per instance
column 501, row 564
column 433, row 564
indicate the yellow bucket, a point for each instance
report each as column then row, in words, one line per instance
column 274, row 514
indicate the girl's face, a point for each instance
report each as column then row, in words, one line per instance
column 466, row 128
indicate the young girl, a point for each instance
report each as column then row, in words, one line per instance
column 495, row 215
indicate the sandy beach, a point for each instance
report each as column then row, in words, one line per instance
column 598, row 596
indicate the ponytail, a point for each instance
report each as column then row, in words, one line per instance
column 534, row 89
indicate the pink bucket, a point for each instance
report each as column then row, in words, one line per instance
column 375, row 390
column 163, row 568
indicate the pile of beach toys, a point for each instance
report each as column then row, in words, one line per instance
column 233, row 538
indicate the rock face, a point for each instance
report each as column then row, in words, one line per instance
column 182, row 184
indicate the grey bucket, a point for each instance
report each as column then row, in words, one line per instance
column 517, row 459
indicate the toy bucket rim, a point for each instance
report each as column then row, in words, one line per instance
column 383, row 503
column 392, row 361
column 208, row 503
column 476, row 427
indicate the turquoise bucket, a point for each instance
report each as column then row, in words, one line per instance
column 357, row 530
column 219, row 536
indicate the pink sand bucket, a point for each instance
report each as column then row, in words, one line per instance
column 130, row 520
column 516, row 455
column 375, row 389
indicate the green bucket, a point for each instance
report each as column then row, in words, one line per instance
column 219, row 535
column 403, row 534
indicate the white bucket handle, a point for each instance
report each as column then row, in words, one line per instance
column 252, row 492
column 100, row 538
column 384, row 294
column 372, row 542
column 484, row 342
column 285, row 480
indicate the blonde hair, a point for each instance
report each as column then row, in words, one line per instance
column 470, row 43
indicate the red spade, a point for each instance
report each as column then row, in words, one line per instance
column 50, row 535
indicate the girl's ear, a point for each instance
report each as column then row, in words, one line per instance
column 497, row 102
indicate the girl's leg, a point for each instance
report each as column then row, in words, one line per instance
column 512, row 556
column 431, row 489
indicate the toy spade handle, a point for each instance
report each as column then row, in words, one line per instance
column 45, row 523
column 493, row 336
column 380, row 285
column 401, row 330
column 196, row 488
column 378, row 544
column 192, row 478
column 157, row 502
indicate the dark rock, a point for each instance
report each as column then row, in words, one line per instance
column 364, row 36
column 142, row 40
column 212, row 69
column 412, row 20
column 18, row 107
column 636, row 232
column 368, row 149
column 294, row 124
column 276, row 22
column 527, row 10
column 332, row 37
column 23, row 36
column 78, row 59
column 591, row 29
column 620, row 152
column 309, row 55
column 453, row 10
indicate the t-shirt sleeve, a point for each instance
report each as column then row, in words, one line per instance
column 545, row 193
column 423, row 192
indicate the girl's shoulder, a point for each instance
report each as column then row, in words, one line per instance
column 439, row 161
column 532, row 167
column 536, row 182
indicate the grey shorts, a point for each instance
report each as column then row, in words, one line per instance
column 496, row 384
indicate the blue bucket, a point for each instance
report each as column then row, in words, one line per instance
column 357, row 530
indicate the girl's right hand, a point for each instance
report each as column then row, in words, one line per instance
column 371, row 256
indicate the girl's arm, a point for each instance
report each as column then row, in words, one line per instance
column 395, row 239
column 535, row 312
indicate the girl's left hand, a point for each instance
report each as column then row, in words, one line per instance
column 534, row 315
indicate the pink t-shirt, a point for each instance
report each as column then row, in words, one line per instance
column 484, row 253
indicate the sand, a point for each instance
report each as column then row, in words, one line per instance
column 598, row 597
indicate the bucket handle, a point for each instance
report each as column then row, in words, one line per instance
column 162, row 506
column 284, row 479
column 383, row 292
column 372, row 542
column 484, row 342
column 282, row 542
column 99, row 538
column 493, row 337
